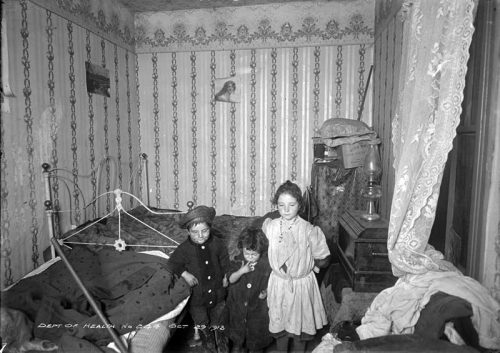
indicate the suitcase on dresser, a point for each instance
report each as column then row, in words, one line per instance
column 362, row 250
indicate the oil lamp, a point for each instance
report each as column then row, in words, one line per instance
column 372, row 170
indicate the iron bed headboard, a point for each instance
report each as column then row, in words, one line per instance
column 119, row 244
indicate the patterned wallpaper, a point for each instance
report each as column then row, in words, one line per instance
column 260, row 26
column 108, row 19
column 290, row 87
column 173, row 5
column 53, row 119
column 233, row 156
column 296, row 64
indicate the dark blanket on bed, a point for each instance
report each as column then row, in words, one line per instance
column 132, row 289
column 227, row 227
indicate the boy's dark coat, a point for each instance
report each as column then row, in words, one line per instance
column 208, row 263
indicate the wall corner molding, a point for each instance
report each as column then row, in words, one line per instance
column 106, row 19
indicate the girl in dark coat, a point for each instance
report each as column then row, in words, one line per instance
column 248, row 318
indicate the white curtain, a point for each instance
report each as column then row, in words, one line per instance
column 435, row 53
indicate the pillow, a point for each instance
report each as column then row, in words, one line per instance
column 337, row 131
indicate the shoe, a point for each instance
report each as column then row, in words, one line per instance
column 237, row 349
column 195, row 341
column 222, row 342
column 208, row 340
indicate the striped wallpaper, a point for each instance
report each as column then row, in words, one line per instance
column 233, row 156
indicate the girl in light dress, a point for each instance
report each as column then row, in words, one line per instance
column 296, row 250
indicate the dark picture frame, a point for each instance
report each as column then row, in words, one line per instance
column 97, row 78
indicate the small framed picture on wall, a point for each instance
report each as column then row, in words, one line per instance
column 228, row 89
column 97, row 78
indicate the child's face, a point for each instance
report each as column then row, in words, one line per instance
column 288, row 206
column 251, row 255
column 199, row 233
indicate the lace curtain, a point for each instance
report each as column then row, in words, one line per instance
column 434, row 63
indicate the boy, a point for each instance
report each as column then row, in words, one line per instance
column 202, row 260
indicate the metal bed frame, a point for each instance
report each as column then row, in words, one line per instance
column 56, row 243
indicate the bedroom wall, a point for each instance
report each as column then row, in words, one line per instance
column 51, row 117
column 296, row 65
column 387, row 58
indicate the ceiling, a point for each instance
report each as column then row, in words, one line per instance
column 171, row 5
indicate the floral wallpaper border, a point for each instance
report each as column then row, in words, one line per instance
column 107, row 19
column 260, row 26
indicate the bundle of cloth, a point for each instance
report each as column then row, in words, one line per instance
column 338, row 131
column 436, row 303
column 436, row 311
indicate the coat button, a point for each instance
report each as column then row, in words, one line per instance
column 249, row 285
column 206, row 262
column 209, row 291
column 203, row 247
column 211, row 302
column 209, row 277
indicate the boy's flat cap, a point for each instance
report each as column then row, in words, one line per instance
column 198, row 214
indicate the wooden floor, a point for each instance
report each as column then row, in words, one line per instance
column 179, row 341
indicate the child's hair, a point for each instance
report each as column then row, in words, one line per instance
column 195, row 222
column 291, row 189
column 253, row 239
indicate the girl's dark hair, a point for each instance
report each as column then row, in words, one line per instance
column 291, row 189
column 253, row 239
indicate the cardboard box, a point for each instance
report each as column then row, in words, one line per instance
column 353, row 154
column 323, row 152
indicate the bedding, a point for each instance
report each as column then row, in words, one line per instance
column 139, row 236
column 132, row 288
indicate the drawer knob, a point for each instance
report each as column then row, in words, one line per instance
column 381, row 254
column 377, row 253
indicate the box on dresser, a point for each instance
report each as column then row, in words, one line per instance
column 362, row 252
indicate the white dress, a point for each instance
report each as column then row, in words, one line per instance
column 293, row 294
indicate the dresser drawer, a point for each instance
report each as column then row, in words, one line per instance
column 364, row 280
column 371, row 256
column 362, row 252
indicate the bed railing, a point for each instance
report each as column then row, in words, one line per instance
column 116, row 195
column 101, row 179
column 120, row 245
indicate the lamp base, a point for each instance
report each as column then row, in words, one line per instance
column 370, row 216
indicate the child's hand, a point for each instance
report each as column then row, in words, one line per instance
column 225, row 282
column 263, row 294
column 190, row 279
column 246, row 267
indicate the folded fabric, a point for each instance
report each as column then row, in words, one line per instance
column 338, row 127
column 397, row 309
column 442, row 307
column 402, row 344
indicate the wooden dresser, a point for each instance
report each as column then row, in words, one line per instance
column 362, row 252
